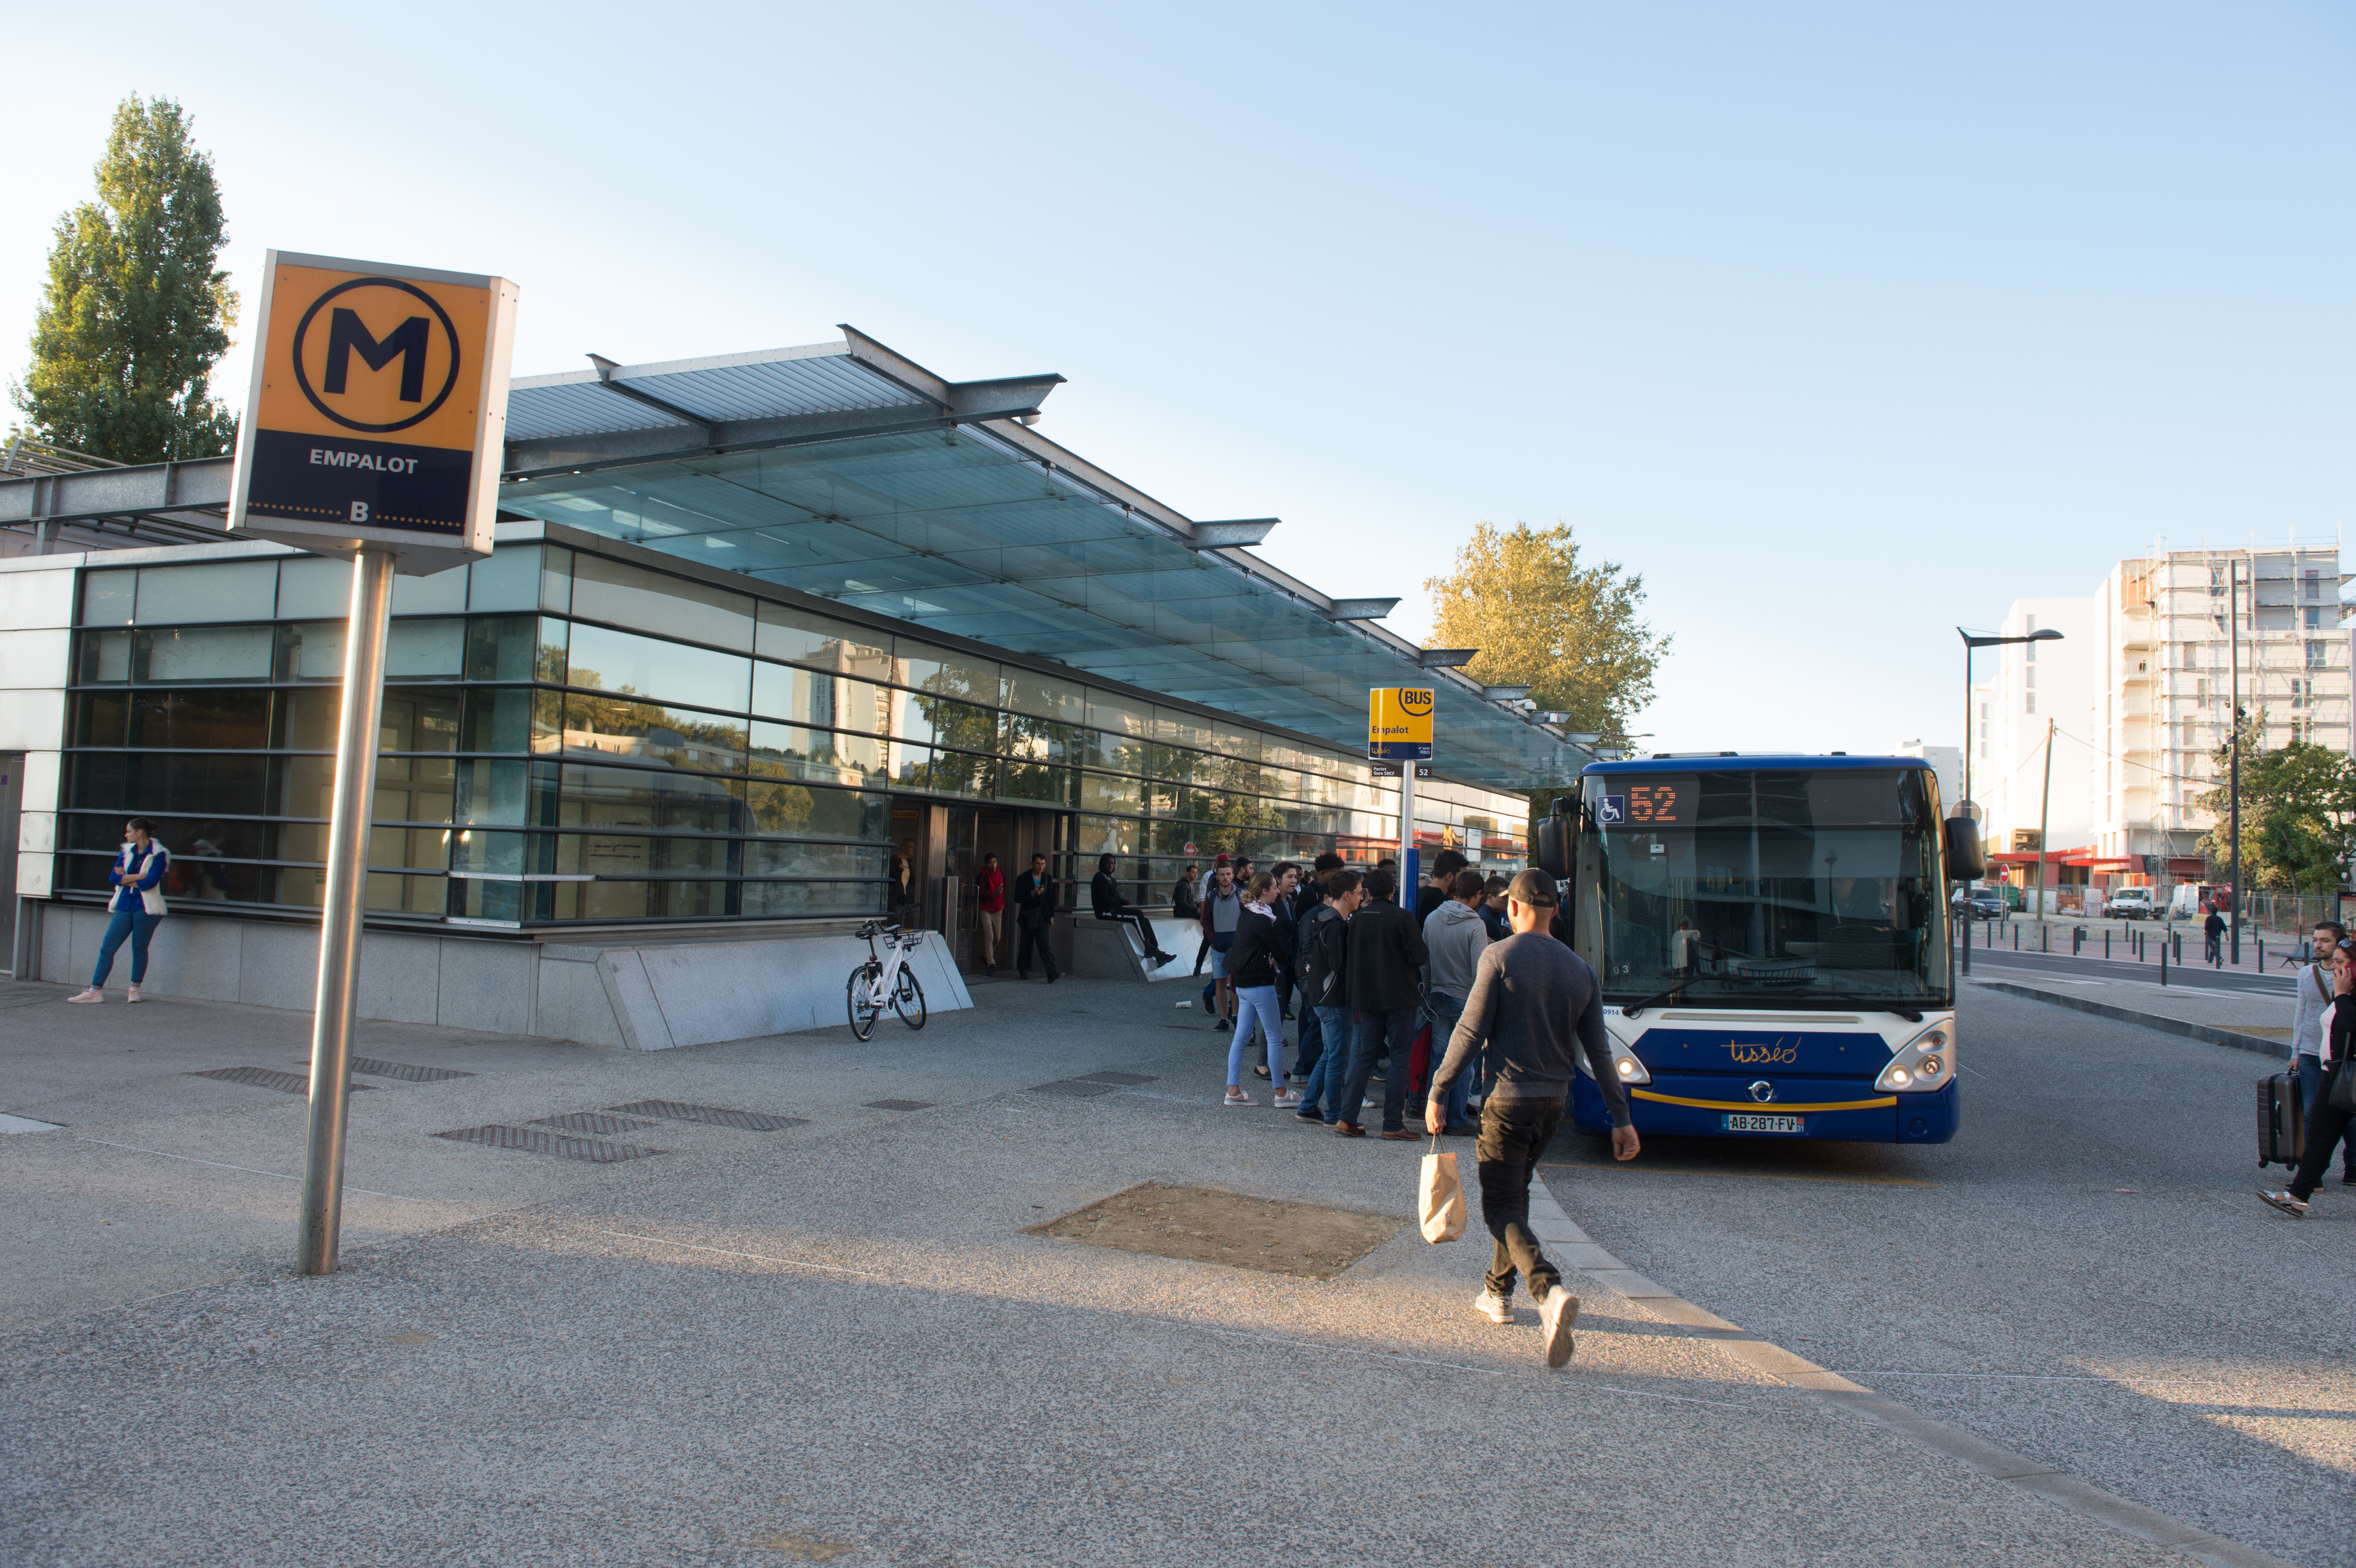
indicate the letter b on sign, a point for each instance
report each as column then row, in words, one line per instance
column 360, row 512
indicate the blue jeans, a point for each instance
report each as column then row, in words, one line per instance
column 1257, row 1002
column 1395, row 1027
column 136, row 924
column 1445, row 1010
column 2310, row 1084
column 1331, row 1072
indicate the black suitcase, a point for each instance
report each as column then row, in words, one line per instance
column 2282, row 1132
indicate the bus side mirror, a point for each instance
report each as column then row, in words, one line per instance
column 1554, row 842
column 1966, row 861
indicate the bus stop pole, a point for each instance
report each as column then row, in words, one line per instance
column 342, row 908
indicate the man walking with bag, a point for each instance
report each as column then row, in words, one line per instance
column 1534, row 1003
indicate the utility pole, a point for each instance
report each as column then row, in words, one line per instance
column 2044, row 815
column 2233, row 711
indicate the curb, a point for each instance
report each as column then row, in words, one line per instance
column 1554, row 1227
column 2208, row 1033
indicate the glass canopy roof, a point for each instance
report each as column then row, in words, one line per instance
column 966, row 531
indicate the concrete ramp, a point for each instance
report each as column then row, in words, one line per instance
column 698, row 992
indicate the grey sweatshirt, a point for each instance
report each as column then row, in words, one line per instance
column 1532, row 998
column 1454, row 938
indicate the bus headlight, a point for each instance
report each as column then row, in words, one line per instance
column 1624, row 1064
column 1923, row 1062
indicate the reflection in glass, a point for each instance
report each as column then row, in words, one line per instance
column 646, row 797
column 628, row 665
column 207, row 653
column 790, row 751
column 624, row 726
column 659, row 603
column 207, row 591
column 781, row 898
column 801, row 637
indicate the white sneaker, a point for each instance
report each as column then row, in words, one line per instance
column 88, row 993
column 134, row 995
column 1556, row 1313
column 1237, row 1097
column 1495, row 1308
column 1287, row 1100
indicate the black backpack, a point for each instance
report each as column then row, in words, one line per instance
column 1325, row 946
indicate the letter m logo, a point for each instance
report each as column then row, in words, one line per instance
column 346, row 336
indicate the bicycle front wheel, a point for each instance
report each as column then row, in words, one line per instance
column 909, row 1001
column 860, row 999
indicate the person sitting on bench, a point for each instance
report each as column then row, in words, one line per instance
column 1104, row 893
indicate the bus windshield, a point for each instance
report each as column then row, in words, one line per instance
column 1770, row 888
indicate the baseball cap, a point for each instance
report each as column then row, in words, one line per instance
column 1534, row 887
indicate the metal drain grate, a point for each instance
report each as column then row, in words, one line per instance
column 899, row 1105
column 532, row 1141
column 404, row 1072
column 265, row 1078
column 1121, row 1080
column 1078, row 1088
column 716, row 1115
column 591, row 1122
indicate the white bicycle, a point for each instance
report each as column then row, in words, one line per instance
column 885, row 979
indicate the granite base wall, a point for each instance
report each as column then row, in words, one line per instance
column 644, row 996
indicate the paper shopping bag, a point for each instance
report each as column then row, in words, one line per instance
column 1441, row 1204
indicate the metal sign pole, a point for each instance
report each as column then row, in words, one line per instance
column 1407, row 834
column 343, row 907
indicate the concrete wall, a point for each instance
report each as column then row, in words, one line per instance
column 646, row 996
column 37, row 613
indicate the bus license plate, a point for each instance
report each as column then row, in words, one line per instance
column 1749, row 1124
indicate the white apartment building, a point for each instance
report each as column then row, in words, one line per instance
column 2139, row 693
column 1946, row 766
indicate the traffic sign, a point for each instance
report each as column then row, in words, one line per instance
column 1190, row 851
column 1398, row 723
column 378, row 411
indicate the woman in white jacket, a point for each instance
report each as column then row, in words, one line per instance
column 138, row 903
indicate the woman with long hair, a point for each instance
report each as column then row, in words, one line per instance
column 1251, row 967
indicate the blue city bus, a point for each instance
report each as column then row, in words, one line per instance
column 1771, row 934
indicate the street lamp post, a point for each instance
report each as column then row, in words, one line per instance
column 1971, row 645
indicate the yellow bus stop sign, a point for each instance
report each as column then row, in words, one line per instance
column 1398, row 723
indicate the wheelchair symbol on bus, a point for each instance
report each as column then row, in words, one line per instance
column 1614, row 809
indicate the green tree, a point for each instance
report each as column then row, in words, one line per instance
column 136, row 313
column 2298, row 811
column 1570, row 633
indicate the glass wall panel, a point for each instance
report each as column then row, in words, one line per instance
column 650, row 731
column 416, row 718
column 514, row 647
column 784, row 858
column 1103, row 792
column 1037, row 783
column 413, row 649
column 783, row 898
column 827, row 701
column 516, row 793
column 960, row 724
column 211, row 653
column 443, row 594
column 207, row 719
column 1044, row 697
column 104, row 656
column 792, row 752
column 941, row 673
column 801, row 637
column 630, row 665
column 1119, row 715
column 643, row 900
column 660, row 604
column 1102, row 836
column 208, row 590
column 314, row 587
column 963, row 773
column 1112, row 751
column 109, row 598
column 101, row 718
column 510, row 580
column 555, row 579
column 1182, row 729
column 810, row 810
column 631, row 855
column 594, row 796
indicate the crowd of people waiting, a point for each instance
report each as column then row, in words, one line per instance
column 1375, row 983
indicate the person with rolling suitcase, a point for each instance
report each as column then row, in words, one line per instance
column 2335, row 1099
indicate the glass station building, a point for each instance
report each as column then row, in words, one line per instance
column 751, row 625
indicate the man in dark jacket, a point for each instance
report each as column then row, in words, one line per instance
column 1104, row 898
column 1385, row 980
column 2215, row 929
column 1036, row 894
column 1325, row 1025
column 1536, row 1007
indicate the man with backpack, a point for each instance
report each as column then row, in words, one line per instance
column 1325, row 946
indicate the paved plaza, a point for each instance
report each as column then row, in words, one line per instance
column 842, row 1340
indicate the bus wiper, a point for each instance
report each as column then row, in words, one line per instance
column 1864, row 1004
column 1670, row 995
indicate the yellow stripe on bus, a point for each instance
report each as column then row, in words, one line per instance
column 1767, row 1108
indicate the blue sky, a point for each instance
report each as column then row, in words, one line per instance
column 1840, row 324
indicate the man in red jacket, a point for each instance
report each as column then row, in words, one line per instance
column 989, row 903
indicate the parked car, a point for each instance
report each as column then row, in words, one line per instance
column 2129, row 904
column 1987, row 904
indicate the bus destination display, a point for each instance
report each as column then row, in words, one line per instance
column 1659, row 804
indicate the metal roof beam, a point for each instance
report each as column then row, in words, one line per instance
column 1233, row 534
column 1362, row 609
column 608, row 379
column 1447, row 658
column 132, row 491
